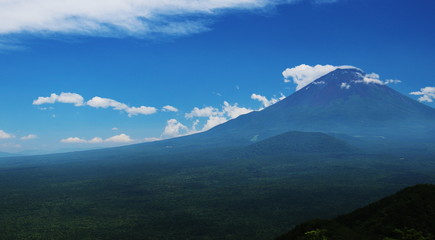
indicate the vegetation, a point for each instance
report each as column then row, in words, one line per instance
column 407, row 215
column 210, row 194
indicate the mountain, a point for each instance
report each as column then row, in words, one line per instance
column 343, row 101
column 408, row 214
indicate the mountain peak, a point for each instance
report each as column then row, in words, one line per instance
column 342, row 77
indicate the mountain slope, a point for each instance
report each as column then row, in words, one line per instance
column 298, row 142
column 408, row 214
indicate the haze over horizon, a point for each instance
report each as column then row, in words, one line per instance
column 77, row 76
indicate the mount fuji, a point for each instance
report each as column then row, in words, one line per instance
column 345, row 101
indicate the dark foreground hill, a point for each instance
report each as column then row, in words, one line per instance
column 408, row 214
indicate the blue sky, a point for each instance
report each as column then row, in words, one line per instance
column 202, row 60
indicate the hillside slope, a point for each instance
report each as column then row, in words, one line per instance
column 408, row 214
column 298, row 142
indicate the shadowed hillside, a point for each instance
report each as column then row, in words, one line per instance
column 408, row 214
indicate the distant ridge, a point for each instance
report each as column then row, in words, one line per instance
column 5, row 154
column 299, row 142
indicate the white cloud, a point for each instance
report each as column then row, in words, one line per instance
column 99, row 102
column 10, row 147
column 376, row 79
column 229, row 111
column 394, row 81
column 42, row 100
column 132, row 111
column 233, row 111
column 73, row 140
column 203, row 112
column 115, row 17
column 169, row 108
column 96, row 140
column 266, row 102
column 261, row 98
column 303, row 74
column 213, row 121
column 427, row 94
column 151, row 139
column 121, row 138
column 373, row 78
column 73, row 98
column 174, row 129
column 95, row 102
column 345, row 85
column 29, row 137
column 214, row 116
column 5, row 135
column 115, row 129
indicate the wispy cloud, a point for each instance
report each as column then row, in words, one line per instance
column 116, row 17
column 427, row 94
column 121, row 138
column 5, row 135
column 169, row 108
column 29, row 137
column 266, row 102
column 151, row 139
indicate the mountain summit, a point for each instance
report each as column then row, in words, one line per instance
column 344, row 101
